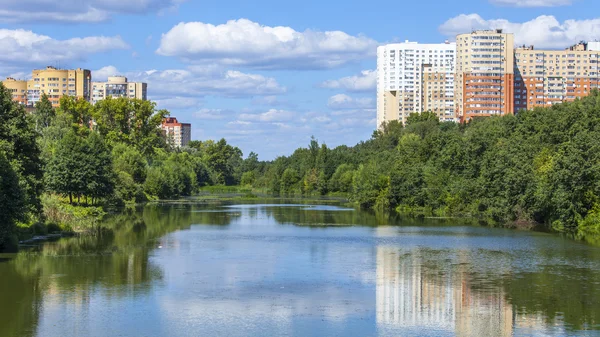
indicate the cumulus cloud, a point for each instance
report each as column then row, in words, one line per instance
column 342, row 101
column 532, row 3
column 20, row 47
column 75, row 11
column 103, row 73
column 197, row 82
column 544, row 31
column 246, row 43
column 365, row 81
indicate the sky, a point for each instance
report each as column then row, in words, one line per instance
column 264, row 75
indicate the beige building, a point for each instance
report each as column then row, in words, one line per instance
column 18, row 89
column 118, row 86
column 484, row 74
column 178, row 134
column 56, row 83
column 547, row 77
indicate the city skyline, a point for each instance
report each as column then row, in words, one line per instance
column 276, row 77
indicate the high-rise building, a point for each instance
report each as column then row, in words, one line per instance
column 178, row 134
column 118, row 86
column 56, row 83
column 547, row 77
column 414, row 77
column 484, row 74
column 18, row 89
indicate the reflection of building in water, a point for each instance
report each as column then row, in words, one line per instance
column 413, row 296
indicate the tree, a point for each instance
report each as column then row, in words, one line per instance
column 12, row 199
column 44, row 113
column 130, row 121
column 80, row 167
column 99, row 175
column 18, row 142
column 288, row 180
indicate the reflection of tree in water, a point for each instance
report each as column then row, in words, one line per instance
column 303, row 216
column 559, row 292
column 19, row 302
column 115, row 261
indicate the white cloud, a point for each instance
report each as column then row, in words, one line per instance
column 212, row 114
column 532, row 3
column 543, row 32
column 272, row 115
column 24, row 48
column 103, row 73
column 342, row 101
column 246, row 43
column 366, row 81
column 197, row 82
column 73, row 11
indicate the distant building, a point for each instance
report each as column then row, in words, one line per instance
column 18, row 89
column 56, row 83
column 484, row 78
column 547, row 77
column 178, row 134
column 414, row 77
column 118, row 86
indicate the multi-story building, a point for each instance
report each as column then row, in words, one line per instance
column 413, row 77
column 484, row 74
column 178, row 134
column 118, row 86
column 547, row 77
column 56, row 83
column 18, row 89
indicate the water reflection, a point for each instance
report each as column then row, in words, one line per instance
column 415, row 294
column 185, row 269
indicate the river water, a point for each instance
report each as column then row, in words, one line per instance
column 299, row 270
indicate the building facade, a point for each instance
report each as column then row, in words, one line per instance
column 177, row 134
column 547, row 77
column 56, row 83
column 118, row 86
column 412, row 78
column 18, row 89
column 484, row 74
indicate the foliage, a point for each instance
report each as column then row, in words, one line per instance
column 540, row 166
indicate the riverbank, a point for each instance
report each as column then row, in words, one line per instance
column 64, row 219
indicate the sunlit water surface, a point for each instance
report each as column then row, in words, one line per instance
column 299, row 270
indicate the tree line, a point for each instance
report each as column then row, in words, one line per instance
column 535, row 167
column 109, row 154
column 540, row 166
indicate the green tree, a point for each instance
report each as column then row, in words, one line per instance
column 12, row 199
column 44, row 113
column 18, row 142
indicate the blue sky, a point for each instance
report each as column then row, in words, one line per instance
column 265, row 75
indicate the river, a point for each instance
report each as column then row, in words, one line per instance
column 296, row 269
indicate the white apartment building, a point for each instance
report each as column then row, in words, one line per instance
column 118, row 86
column 414, row 77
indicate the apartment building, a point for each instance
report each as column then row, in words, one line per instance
column 118, row 86
column 547, row 77
column 414, row 77
column 178, row 134
column 18, row 89
column 56, row 83
column 484, row 81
